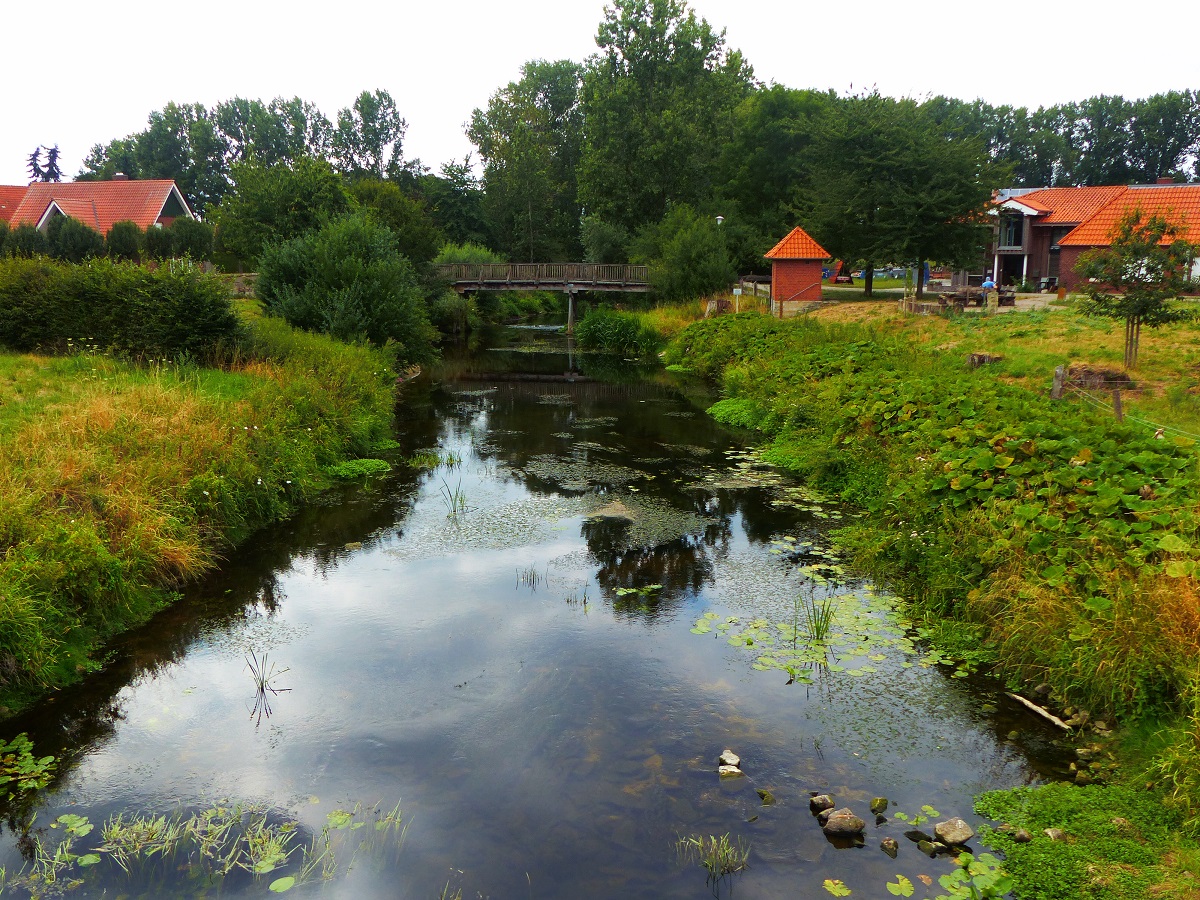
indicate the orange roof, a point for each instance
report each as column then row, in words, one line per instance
column 1069, row 205
column 10, row 199
column 97, row 204
column 797, row 245
column 1179, row 203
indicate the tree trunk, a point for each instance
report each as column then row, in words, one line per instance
column 920, row 278
column 868, row 279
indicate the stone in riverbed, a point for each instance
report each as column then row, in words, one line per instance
column 730, row 772
column 890, row 847
column 767, row 798
column 843, row 823
column 729, row 758
column 1021, row 836
column 879, row 804
column 821, row 802
column 954, row 831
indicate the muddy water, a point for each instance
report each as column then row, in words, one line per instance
column 505, row 644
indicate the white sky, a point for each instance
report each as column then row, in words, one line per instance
column 102, row 68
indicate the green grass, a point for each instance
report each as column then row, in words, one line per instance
column 120, row 482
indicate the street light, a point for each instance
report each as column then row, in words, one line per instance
column 720, row 219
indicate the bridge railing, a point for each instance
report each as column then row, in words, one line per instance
column 581, row 274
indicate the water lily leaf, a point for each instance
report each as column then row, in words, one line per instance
column 836, row 887
column 89, row 859
column 902, row 887
column 339, row 818
column 279, row 885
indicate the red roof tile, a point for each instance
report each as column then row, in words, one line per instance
column 1178, row 203
column 103, row 202
column 797, row 245
column 10, row 199
column 1070, row 205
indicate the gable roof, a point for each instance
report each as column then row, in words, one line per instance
column 98, row 204
column 797, row 245
column 10, row 198
column 1180, row 203
column 1070, row 205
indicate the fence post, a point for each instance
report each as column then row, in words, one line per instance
column 1120, row 413
column 1060, row 374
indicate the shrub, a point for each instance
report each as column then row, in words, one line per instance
column 125, row 241
column 3, row 236
column 347, row 279
column 47, row 305
column 191, row 238
column 616, row 332
column 160, row 242
column 417, row 237
column 26, row 241
column 603, row 242
column 467, row 254
column 687, row 255
column 72, row 241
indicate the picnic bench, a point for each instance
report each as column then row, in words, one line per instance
column 973, row 296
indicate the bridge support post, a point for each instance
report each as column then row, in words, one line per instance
column 571, row 293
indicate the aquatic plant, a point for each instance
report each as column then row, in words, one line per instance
column 358, row 468
column 264, row 674
column 720, row 856
column 529, row 577
column 455, row 499
column 424, row 459
column 20, row 770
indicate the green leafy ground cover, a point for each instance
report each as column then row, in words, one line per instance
column 1069, row 540
column 121, row 481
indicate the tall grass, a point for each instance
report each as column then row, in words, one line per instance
column 119, row 482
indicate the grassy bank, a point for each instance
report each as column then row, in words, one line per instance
column 1065, row 541
column 119, row 482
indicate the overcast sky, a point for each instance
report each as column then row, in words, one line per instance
column 103, row 67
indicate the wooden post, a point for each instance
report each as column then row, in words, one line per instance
column 571, row 308
column 1060, row 376
column 1117, row 410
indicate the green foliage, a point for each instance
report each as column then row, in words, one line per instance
column 976, row 879
column 347, row 279
column 984, row 502
column 359, row 468
column 417, row 237
column 268, row 205
column 468, row 253
column 616, row 332
column 369, row 135
column 72, row 241
column 1145, row 266
column 603, row 242
column 1116, row 846
column 26, row 242
column 50, row 306
column 687, row 255
column 125, row 241
column 160, row 243
column 191, row 238
column 20, row 770
column 719, row 855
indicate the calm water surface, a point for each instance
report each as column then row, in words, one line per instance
column 455, row 641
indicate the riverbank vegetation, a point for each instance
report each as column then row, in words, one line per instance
column 123, row 477
column 1068, row 539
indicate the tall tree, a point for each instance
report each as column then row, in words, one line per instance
column 1144, row 267
column 530, row 138
column 369, row 136
column 658, row 100
column 181, row 142
column 52, row 172
column 34, row 165
column 306, row 130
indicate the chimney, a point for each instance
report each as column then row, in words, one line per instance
column 120, row 176
column 1165, row 179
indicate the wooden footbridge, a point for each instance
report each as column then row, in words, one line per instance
column 567, row 277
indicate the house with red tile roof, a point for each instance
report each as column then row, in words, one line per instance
column 97, row 204
column 795, row 272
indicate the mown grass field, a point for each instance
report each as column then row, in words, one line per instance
column 120, row 481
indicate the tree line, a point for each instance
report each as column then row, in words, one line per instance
column 632, row 155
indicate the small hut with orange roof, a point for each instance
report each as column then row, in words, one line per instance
column 795, row 272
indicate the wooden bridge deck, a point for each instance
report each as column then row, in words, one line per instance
column 567, row 277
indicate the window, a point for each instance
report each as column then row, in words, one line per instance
column 1012, row 230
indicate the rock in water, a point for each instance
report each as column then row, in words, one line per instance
column 765, row 796
column 890, row 847
column 843, row 823
column 729, row 758
column 730, row 771
column 879, row 804
column 821, row 802
column 954, row 832
column 1021, row 836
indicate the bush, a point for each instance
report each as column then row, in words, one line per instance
column 125, row 241
column 4, row 229
column 467, row 254
column 417, row 237
column 603, row 242
column 191, row 238
column 687, row 255
column 616, row 332
column 160, row 242
column 72, row 241
column 47, row 306
column 347, row 280
column 26, row 242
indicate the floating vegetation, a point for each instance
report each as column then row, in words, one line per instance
column 679, row 414
column 556, row 400
column 481, row 392
column 595, row 422
column 578, row 474
column 643, row 592
column 522, row 523
column 385, row 446
column 688, row 449
column 20, row 770
column 359, row 468
column 562, row 435
column 652, row 522
column 424, row 459
column 597, row 448
column 720, row 856
column 193, row 850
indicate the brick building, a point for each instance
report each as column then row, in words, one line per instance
column 795, row 272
